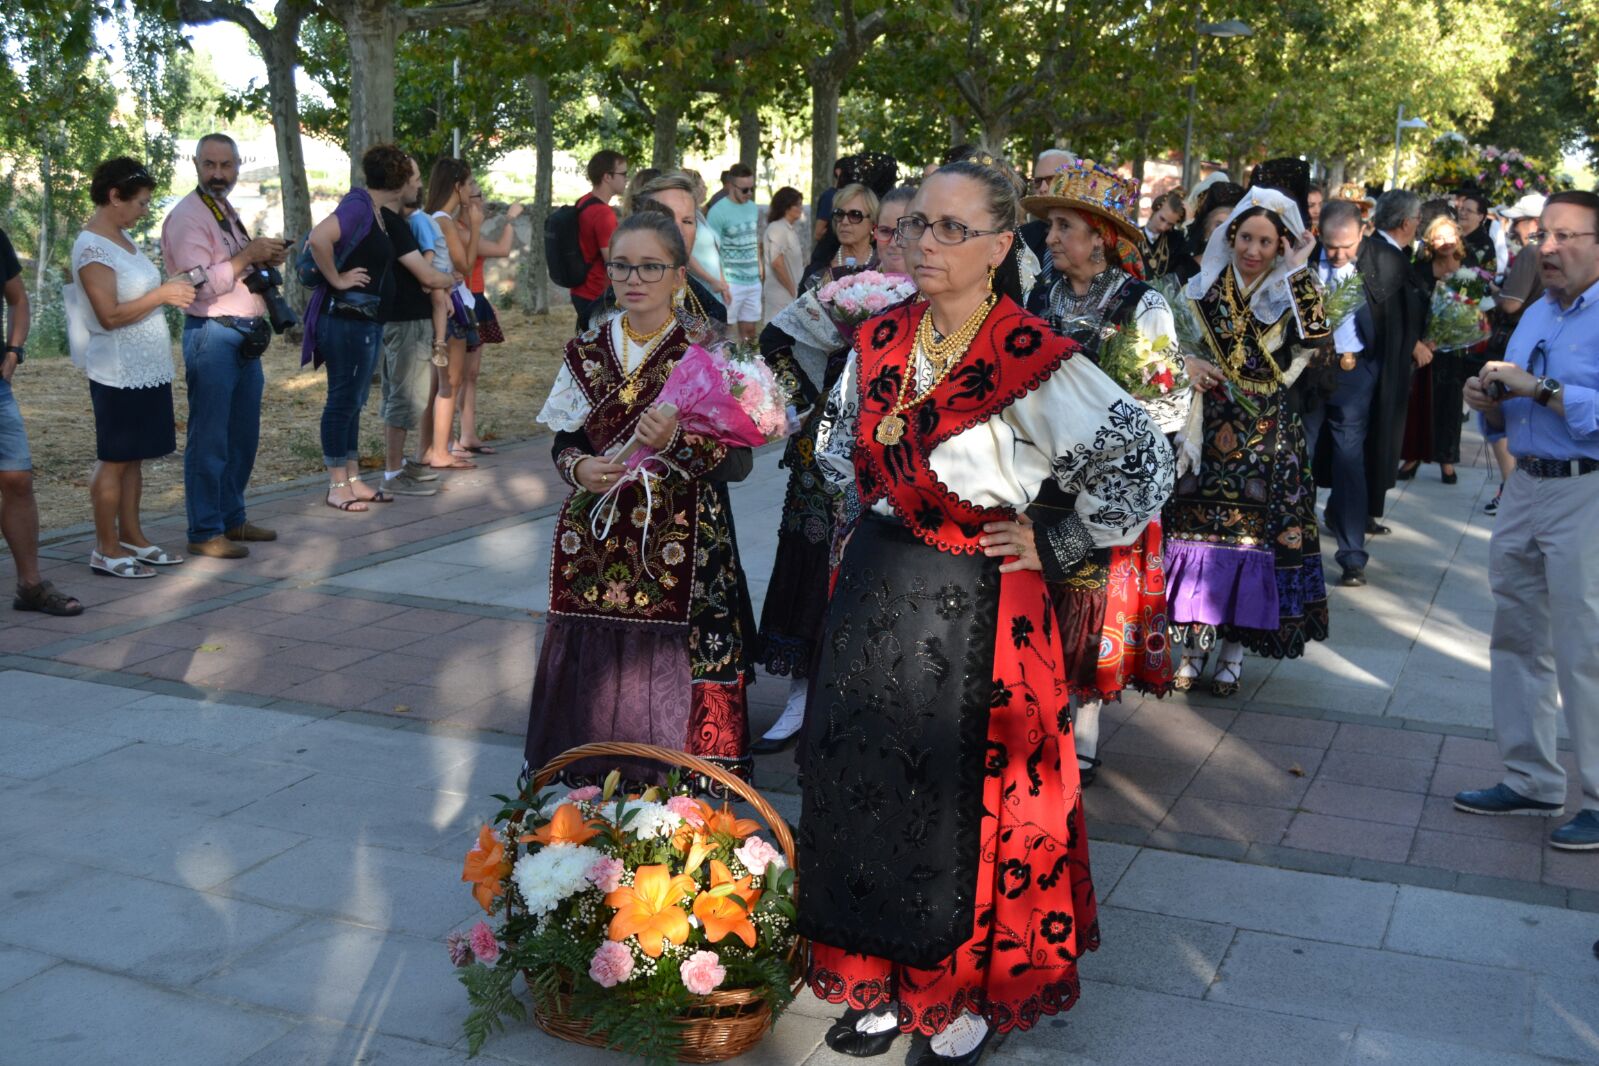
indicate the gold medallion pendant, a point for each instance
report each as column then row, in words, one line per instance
column 629, row 393
column 891, row 430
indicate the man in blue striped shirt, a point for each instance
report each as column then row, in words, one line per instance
column 1544, row 558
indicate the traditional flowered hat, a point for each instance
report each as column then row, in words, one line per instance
column 1087, row 186
column 1355, row 193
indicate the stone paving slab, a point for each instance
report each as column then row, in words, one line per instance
column 322, row 943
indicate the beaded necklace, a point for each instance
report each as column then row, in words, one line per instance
column 943, row 355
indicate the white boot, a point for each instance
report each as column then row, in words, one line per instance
column 788, row 723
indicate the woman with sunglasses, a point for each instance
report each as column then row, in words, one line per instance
column 646, row 629
column 947, row 887
column 803, row 336
column 1243, row 552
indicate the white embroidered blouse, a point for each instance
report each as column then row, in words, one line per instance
column 135, row 356
column 567, row 408
column 1078, row 427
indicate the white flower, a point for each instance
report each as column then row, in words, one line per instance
column 552, row 874
column 647, row 821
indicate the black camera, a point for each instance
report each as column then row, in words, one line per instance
column 266, row 283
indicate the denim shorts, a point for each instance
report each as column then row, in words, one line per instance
column 14, row 453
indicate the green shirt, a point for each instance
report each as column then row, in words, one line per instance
column 736, row 228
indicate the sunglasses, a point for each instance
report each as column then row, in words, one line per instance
column 854, row 218
column 745, row 189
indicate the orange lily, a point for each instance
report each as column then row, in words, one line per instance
column 567, row 827
column 486, row 868
column 723, row 822
column 649, row 908
column 720, row 913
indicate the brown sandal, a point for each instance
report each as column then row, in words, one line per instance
column 47, row 599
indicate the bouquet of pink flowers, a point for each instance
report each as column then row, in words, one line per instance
column 726, row 393
column 851, row 300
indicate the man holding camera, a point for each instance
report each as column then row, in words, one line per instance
column 1542, row 563
column 227, row 328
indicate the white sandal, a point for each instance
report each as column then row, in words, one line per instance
column 153, row 555
column 125, row 566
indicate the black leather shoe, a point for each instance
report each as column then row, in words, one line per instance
column 971, row 1058
column 1377, row 529
column 1407, row 471
column 1086, row 774
column 1354, row 577
column 767, row 746
column 840, row 1026
column 1449, row 478
column 859, row 1045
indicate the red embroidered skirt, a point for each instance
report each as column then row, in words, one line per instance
column 1035, row 911
column 1133, row 647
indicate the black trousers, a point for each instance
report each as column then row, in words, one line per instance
column 1348, row 420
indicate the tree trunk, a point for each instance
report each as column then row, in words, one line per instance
column 46, row 186
column 278, row 51
column 749, row 137
column 535, row 276
column 370, row 28
column 824, row 131
column 1337, row 168
column 664, row 155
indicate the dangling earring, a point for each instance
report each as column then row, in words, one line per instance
column 990, row 277
column 1099, row 255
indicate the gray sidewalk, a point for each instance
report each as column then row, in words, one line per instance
column 201, row 883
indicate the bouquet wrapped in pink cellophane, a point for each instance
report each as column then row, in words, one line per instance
column 725, row 393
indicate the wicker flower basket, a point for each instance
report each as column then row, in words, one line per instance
column 725, row 1023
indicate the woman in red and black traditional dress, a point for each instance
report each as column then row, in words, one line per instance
column 946, row 885
column 646, row 632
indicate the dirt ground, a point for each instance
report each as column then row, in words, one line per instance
column 54, row 396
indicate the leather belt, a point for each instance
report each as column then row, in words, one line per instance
column 239, row 322
column 1556, row 467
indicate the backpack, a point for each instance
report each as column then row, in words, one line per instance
column 305, row 265
column 562, row 253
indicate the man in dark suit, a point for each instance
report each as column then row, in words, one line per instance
column 1366, row 412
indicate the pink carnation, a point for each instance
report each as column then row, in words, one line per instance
column 876, row 301
column 581, row 795
column 1520, row 184
column 484, row 944
column 611, row 965
column 686, row 809
column 606, row 874
column 702, row 973
column 459, row 947
column 756, row 853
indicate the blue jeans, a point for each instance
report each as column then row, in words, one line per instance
column 224, row 426
column 1348, row 421
column 14, row 454
column 349, row 348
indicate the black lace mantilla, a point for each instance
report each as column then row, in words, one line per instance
column 889, row 836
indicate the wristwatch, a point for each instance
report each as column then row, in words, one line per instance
column 1548, row 389
column 22, row 354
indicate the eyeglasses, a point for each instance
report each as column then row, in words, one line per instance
column 945, row 230
column 1560, row 236
column 853, row 217
column 618, row 173
column 649, row 273
column 885, row 233
column 745, row 189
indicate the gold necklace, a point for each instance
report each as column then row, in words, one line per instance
column 1244, row 324
column 632, row 385
column 942, row 355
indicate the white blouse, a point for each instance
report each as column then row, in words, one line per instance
column 567, row 408
column 1077, row 427
column 135, row 356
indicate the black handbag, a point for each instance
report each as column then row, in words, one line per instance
column 364, row 306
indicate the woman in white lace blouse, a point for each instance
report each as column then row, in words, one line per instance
column 128, row 358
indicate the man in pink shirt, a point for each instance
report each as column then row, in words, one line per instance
column 221, row 366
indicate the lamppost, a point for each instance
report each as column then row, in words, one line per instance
column 1401, row 124
column 1229, row 28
